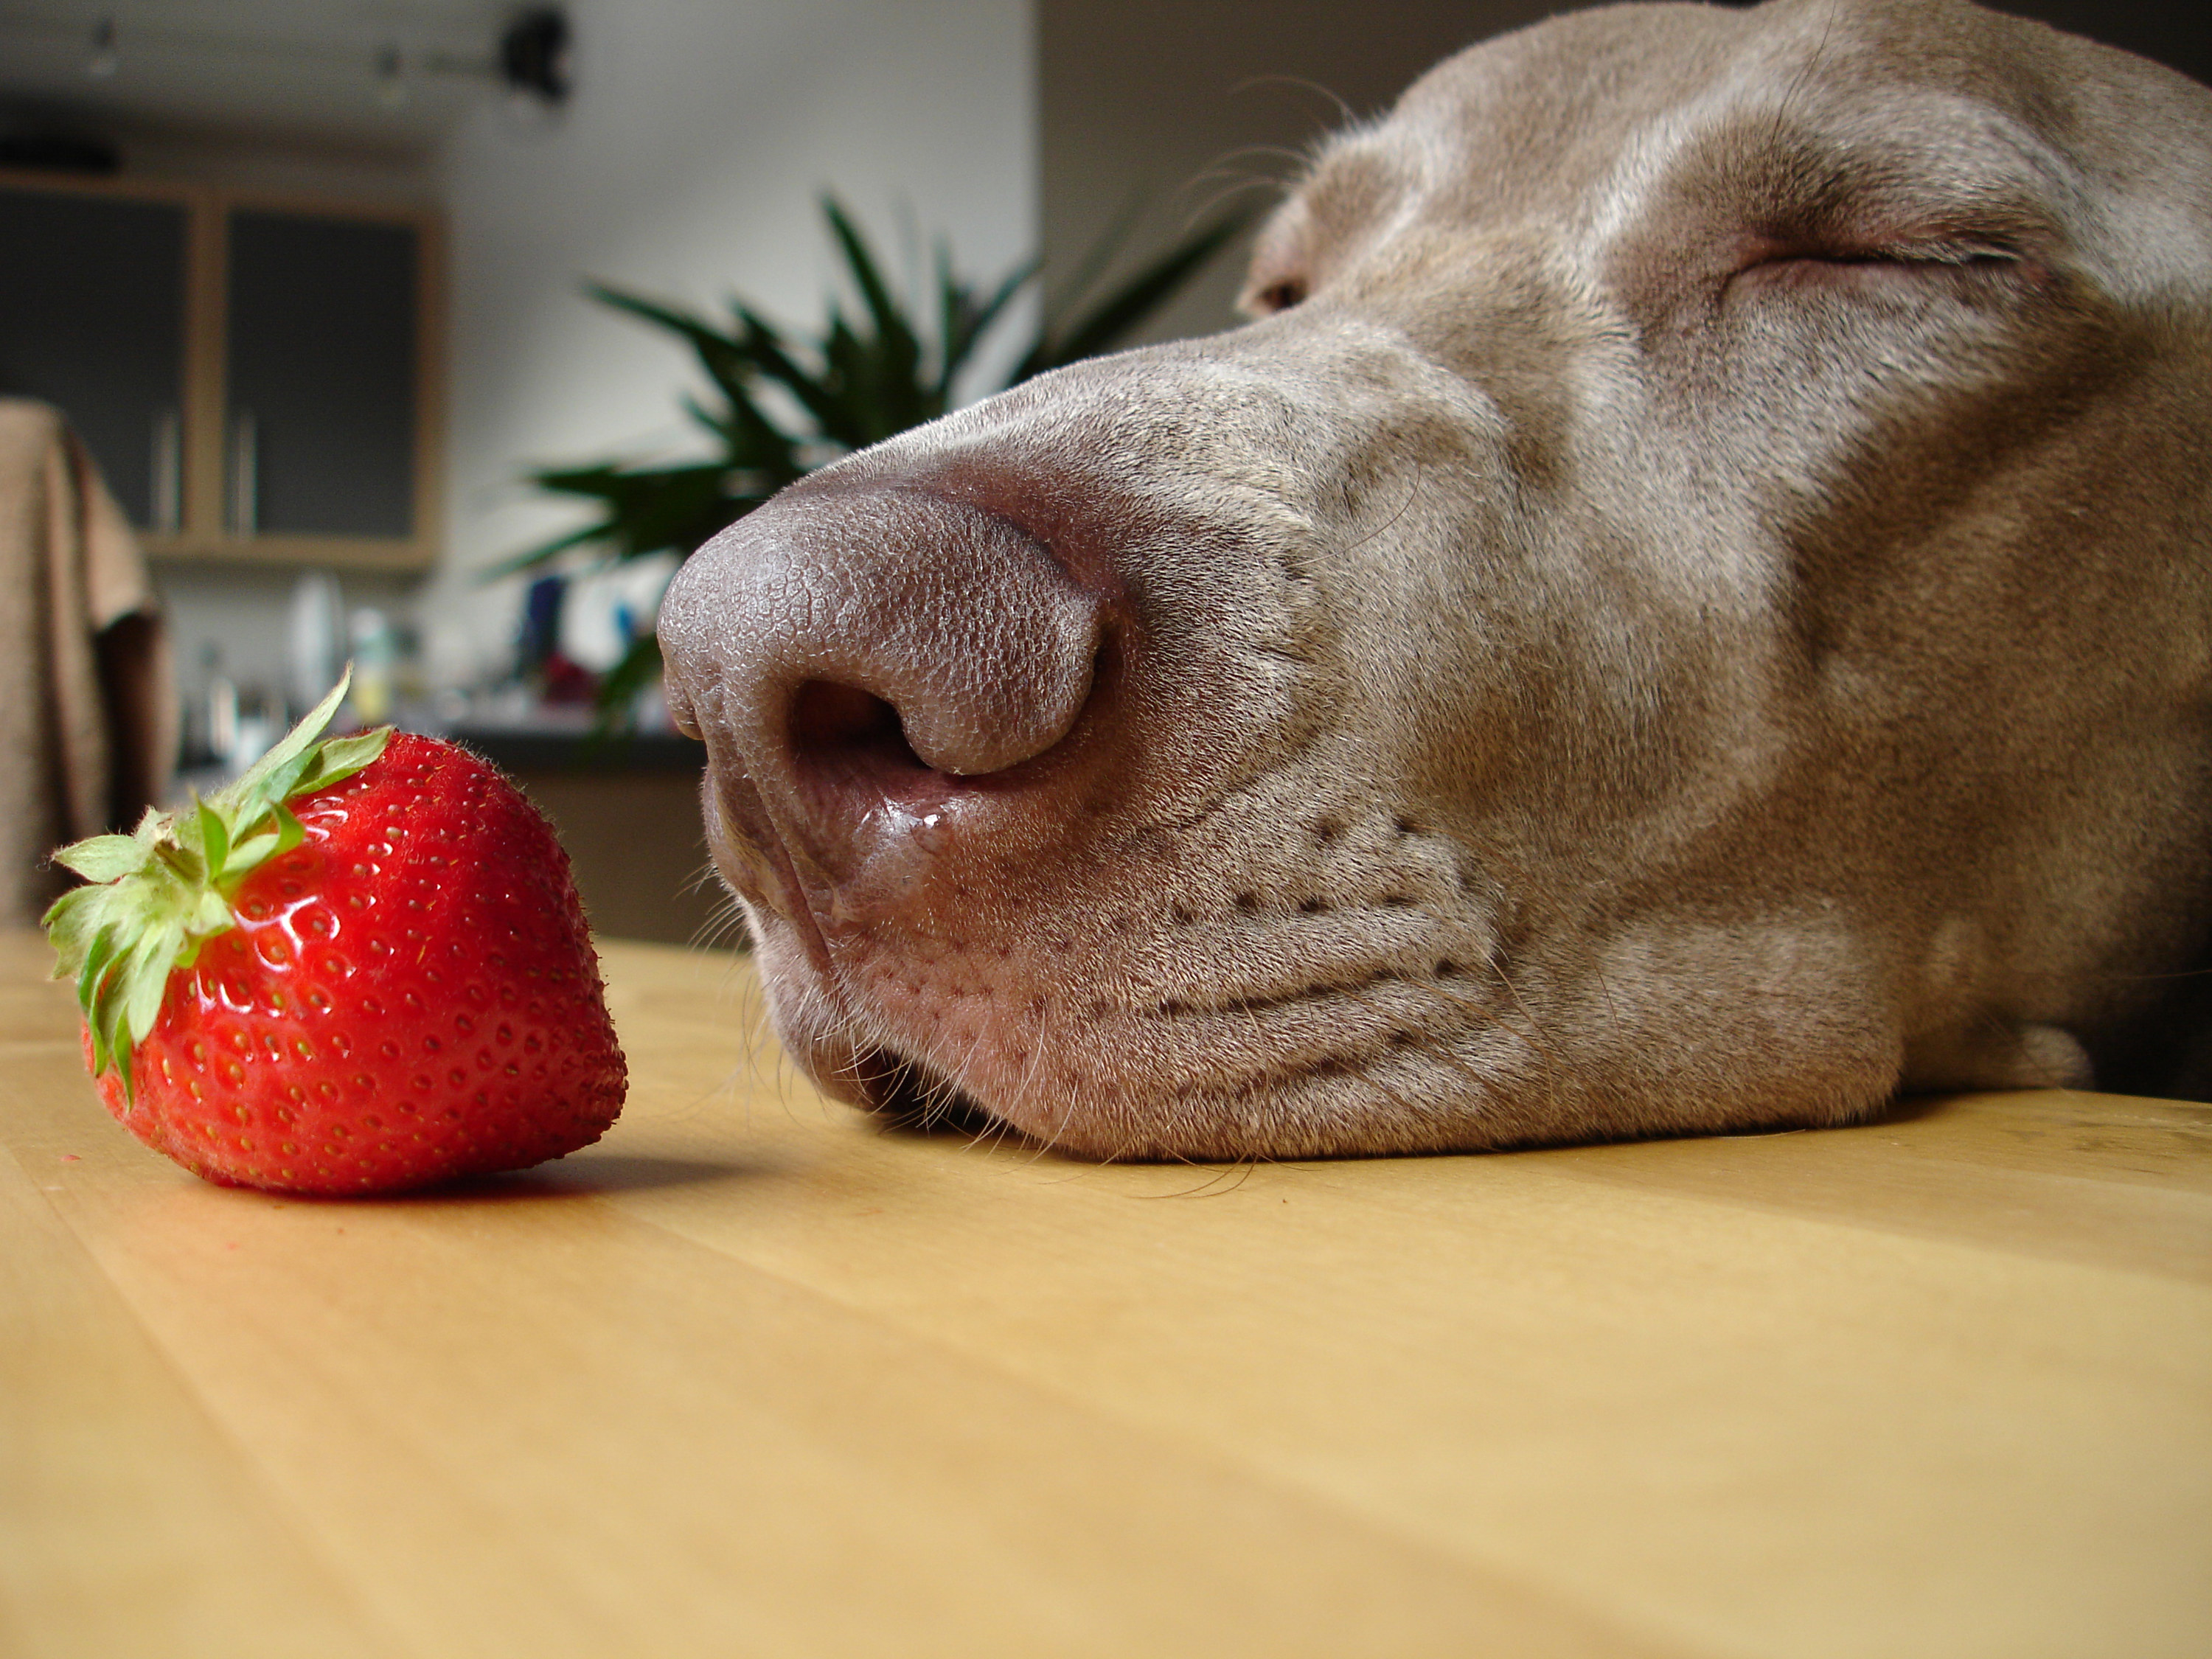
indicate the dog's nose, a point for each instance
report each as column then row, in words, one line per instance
column 883, row 646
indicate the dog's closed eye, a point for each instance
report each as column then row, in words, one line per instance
column 1850, row 266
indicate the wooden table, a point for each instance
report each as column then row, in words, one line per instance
column 752, row 1376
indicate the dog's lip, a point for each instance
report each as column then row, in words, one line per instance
column 776, row 884
column 780, row 874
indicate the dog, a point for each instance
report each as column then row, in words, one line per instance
column 1688, row 609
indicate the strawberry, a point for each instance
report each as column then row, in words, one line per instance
column 362, row 968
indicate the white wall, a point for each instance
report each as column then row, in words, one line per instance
column 688, row 166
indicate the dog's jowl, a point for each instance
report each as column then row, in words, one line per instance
column 1690, row 606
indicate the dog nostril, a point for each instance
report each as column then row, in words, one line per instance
column 882, row 647
column 823, row 715
column 849, row 733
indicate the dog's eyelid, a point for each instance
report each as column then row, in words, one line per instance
column 1933, row 254
column 1934, row 248
column 1940, row 258
column 1965, row 253
column 2001, row 229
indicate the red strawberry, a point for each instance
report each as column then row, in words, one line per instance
column 361, row 968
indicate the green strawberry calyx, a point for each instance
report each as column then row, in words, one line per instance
column 155, row 896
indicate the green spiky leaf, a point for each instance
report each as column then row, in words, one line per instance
column 161, row 892
column 104, row 858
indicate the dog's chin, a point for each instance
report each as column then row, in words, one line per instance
column 905, row 1095
column 909, row 1095
column 844, row 1063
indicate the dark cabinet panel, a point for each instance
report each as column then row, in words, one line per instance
column 92, row 319
column 322, row 374
column 257, row 376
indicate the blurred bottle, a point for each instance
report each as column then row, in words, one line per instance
column 540, row 631
column 316, row 640
column 375, row 665
column 259, row 722
column 219, row 709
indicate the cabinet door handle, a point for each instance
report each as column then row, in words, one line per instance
column 244, row 473
column 166, row 497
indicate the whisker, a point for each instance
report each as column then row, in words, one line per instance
column 1413, row 483
column 1202, row 209
column 1059, row 1122
column 1022, row 1090
column 1804, row 77
column 1252, row 83
column 1216, row 1172
column 1296, row 156
column 1536, row 1029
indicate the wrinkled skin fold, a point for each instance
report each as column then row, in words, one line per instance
column 1688, row 609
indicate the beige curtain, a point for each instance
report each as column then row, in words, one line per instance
column 88, row 707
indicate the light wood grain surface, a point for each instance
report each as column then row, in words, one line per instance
column 752, row 1376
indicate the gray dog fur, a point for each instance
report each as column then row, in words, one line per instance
column 1690, row 608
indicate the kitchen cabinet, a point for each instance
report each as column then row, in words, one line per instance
column 257, row 376
column 92, row 319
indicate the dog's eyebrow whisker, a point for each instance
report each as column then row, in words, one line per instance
column 1802, row 79
column 1252, row 82
column 1605, row 989
column 1233, row 189
column 1291, row 153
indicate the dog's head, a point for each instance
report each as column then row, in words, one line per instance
column 1690, row 607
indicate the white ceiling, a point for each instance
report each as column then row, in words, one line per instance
column 302, row 68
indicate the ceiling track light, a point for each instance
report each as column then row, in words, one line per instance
column 533, row 55
column 529, row 60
